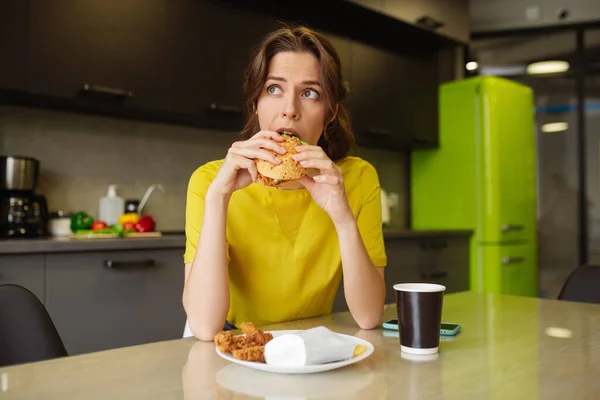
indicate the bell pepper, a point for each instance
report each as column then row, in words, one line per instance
column 129, row 217
column 99, row 225
column 81, row 221
column 145, row 224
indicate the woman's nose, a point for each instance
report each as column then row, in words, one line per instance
column 290, row 110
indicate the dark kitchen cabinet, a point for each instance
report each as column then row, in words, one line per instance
column 372, row 4
column 24, row 270
column 13, row 44
column 343, row 48
column 394, row 98
column 211, row 44
column 415, row 108
column 104, row 300
column 373, row 95
column 112, row 53
column 444, row 261
column 182, row 61
column 453, row 15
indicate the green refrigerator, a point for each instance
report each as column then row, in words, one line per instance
column 483, row 177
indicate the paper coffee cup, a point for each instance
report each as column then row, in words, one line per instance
column 419, row 308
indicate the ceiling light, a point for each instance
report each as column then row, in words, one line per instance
column 561, row 333
column 547, row 67
column 508, row 70
column 472, row 65
column 555, row 127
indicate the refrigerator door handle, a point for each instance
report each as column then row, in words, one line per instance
column 512, row 227
column 512, row 260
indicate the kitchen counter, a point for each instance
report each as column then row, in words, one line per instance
column 168, row 240
column 391, row 234
column 67, row 245
column 509, row 348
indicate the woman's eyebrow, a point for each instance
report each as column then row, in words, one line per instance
column 316, row 83
column 280, row 79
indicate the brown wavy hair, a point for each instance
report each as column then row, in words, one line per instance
column 337, row 139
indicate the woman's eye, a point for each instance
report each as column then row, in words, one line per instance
column 311, row 94
column 273, row 90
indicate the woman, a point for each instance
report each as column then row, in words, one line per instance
column 267, row 255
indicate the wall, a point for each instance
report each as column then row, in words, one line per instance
column 557, row 155
column 558, row 188
column 81, row 155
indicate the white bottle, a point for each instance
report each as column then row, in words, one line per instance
column 111, row 206
column 385, row 208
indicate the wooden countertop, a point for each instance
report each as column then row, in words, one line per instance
column 510, row 348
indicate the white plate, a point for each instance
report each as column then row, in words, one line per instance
column 307, row 369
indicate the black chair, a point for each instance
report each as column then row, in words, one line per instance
column 582, row 285
column 27, row 333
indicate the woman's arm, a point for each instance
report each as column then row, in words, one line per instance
column 206, row 290
column 364, row 285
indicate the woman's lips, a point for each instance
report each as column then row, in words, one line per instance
column 289, row 131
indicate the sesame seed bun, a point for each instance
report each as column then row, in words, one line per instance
column 287, row 171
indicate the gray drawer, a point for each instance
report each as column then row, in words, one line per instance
column 105, row 300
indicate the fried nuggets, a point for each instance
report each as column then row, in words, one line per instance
column 254, row 353
column 254, row 336
column 249, row 347
column 227, row 342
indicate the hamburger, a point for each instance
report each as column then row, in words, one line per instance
column 286, row 172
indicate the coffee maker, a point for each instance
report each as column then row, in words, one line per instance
column 23, row 213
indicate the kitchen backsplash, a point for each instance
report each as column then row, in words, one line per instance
column 81, row 155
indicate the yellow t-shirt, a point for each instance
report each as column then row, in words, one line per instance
column 283, row 250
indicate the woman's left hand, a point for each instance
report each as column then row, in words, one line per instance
column 326, row 188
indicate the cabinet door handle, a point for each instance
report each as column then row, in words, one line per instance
column 129, row 264
column 433, row 245
column 512, row 227
column 379, row 131
column 107, row 90
column 434, row 275
column 429, row 22
column 512, row 260
column 224, row 108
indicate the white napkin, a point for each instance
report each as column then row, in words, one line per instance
column 313, row 346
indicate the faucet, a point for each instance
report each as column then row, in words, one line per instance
column 150, row 190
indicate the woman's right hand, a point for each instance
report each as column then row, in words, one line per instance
column 239, row 168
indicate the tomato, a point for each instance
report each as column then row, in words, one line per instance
column 129, row 226
column 97, row 225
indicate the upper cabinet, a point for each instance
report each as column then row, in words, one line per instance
column 446, row 17
column 373, row 95
column 184, row 61
column 112, row 53
column 416, row 112
column 13, row 44
column 208, row 58
column 376, row 5
column 393, row 99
